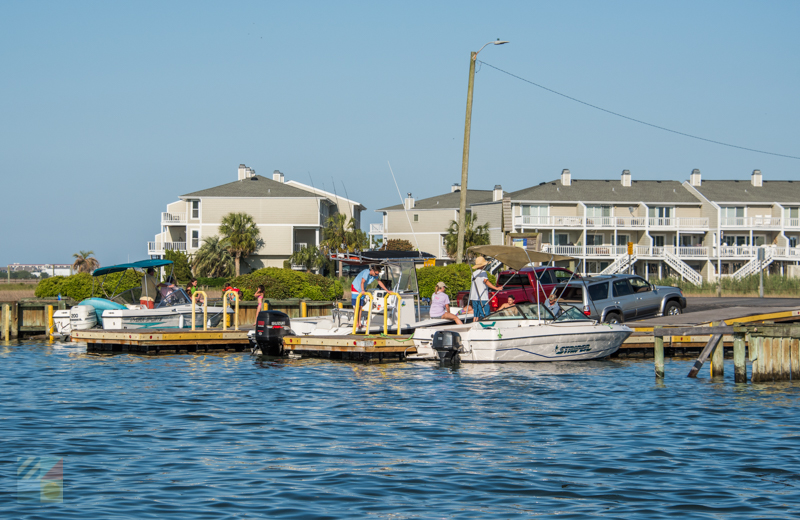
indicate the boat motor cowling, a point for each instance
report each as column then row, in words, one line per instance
column 448, row 345
column 271, row 327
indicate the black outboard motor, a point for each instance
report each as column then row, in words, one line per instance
column 271, row 327
column 448, row 345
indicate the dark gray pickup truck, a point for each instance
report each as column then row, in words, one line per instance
column 621, row 297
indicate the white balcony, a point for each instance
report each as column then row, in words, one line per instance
column 753, row 222
column 376, row 229
column 792, row 223
column 171, row 219
column 674, row 223
column 159, row 248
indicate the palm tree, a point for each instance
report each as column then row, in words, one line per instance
column 240, row 235
column 212, row 259
column 340, row 234
column 309, row 257
column 85, row 262
column 473, row 235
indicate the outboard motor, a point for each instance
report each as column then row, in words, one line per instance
column 271, row 327
column 447, row 344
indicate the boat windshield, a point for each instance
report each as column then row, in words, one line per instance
column 166, row 297
column 403, row 276
column 521, row 311
column 571, row 313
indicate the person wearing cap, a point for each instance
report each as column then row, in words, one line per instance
column 364, row 278
column 440, row 304
column 552, row 303
column 479, row 289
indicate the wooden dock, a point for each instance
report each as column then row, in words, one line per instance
column 163, row 341
column 352, row 347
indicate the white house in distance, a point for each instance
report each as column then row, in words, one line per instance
column 289, row 215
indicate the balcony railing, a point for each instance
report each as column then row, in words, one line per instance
column 299, row 245
column 752, row 222
column 158, row 248
column 376, row 229
column 612, row 222
column 684, row 252
column 792, row 222
column 173, row 218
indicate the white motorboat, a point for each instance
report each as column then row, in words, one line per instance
column 526, row 332
column 169, row 308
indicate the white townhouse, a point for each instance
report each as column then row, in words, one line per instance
column 289, row 215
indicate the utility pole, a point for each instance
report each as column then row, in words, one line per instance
column 462, row 205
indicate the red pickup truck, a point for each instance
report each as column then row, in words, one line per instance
column 520, row 285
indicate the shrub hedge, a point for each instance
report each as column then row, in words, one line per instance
column 211, row 282
column 79, row 286
column 457, row 277
column 281, row 284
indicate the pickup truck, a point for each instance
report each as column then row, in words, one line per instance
column 520, row 285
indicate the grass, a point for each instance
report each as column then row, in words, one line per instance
column 775, row 286
column 18, row 286
column 16, row 294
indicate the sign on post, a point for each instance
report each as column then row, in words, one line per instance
column 630, row 248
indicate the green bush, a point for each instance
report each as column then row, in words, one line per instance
column 457, row 277
column 280, row 284
column 211, row 282
column 181, row 269
column 79, row 286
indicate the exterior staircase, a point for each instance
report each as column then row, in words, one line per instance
column 755, row 265
column 620, row 264
column 682, row 268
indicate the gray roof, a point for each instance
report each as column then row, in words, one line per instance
column 607, row 191
column 447, row 201
column 256, row 186
column 744, row 191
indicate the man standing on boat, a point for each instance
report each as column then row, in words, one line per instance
column 364, row 278
column 479, row 289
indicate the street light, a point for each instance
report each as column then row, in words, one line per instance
column 462, row 207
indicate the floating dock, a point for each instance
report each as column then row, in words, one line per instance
column 352, row 347
column 164, row 341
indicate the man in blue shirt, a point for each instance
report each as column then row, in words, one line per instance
column 364, row 278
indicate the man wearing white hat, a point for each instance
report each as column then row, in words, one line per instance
column 479, row 289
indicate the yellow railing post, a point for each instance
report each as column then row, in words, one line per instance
column 340, row 305
column 386, row 313
column 205, row 308
column 50, row 322
column 356, row 312
column 303, row 309
column 235, row 310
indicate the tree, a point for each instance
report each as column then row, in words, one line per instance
column 212, row 260
column 309, row 257
column 341, row 235
column 180, row 266
column 473, row 235
column 398, row 244
column 85, row 262
column 240, row 236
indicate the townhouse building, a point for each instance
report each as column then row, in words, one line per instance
column 289, row 215
column 695, row 229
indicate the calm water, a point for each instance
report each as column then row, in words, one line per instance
column 231, row 437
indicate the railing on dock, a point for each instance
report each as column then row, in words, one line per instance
column 205, row 308
column 225, row 309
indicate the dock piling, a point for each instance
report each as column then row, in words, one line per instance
column 658, row 346
column 6, row 322
column 739, row 364
column 712, row 343
column 717, row 367
column 50, row 322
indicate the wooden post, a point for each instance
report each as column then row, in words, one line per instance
column 50, row 322
column 795, row 359
column 739, row 363
column 756, row 358
column 698, row 364
column 786, row 359
column 658, row 347
column 6, row 322
column 717, row 367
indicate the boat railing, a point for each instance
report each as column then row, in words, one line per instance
column 205, row 308
column 225, row 296
column 386, row 312
column 357, row 314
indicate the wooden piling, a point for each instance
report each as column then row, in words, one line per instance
column 658, row 347
column 717, row 367
column 6, row 322
column 739, row 363
column 795, row 359
column 786, row 359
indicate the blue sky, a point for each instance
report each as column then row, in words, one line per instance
column 111, row 110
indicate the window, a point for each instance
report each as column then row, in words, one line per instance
column 639, row 285
column 661, row 212
column 594, row 240
column 514, row 279
column 598, row 291
column 562, row 276
column 561, row 239
column 792, row 241
column 598, row 211
column 759, row 240
column 195, row 209
column 622, row 288
column 658, row 240
column 195, row 238
column 622, row 240
column 416, row 217
column 791, row 212
column 535, row 211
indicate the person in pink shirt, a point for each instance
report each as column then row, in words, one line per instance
column 440, row 304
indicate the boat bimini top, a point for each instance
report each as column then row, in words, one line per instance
column 141, row 264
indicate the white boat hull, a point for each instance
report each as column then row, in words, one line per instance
column 179, row 317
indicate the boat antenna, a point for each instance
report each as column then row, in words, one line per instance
column 404, row 209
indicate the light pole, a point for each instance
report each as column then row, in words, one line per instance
column 462, row 207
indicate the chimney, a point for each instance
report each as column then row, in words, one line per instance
column 694, row 178
column 755, row 179
column 566, row 178
column 277, row 176
column 409, row 202
column 242, row 169
column 455, row 187
column 250, row 173
column 497, row 194
column 626, row 178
